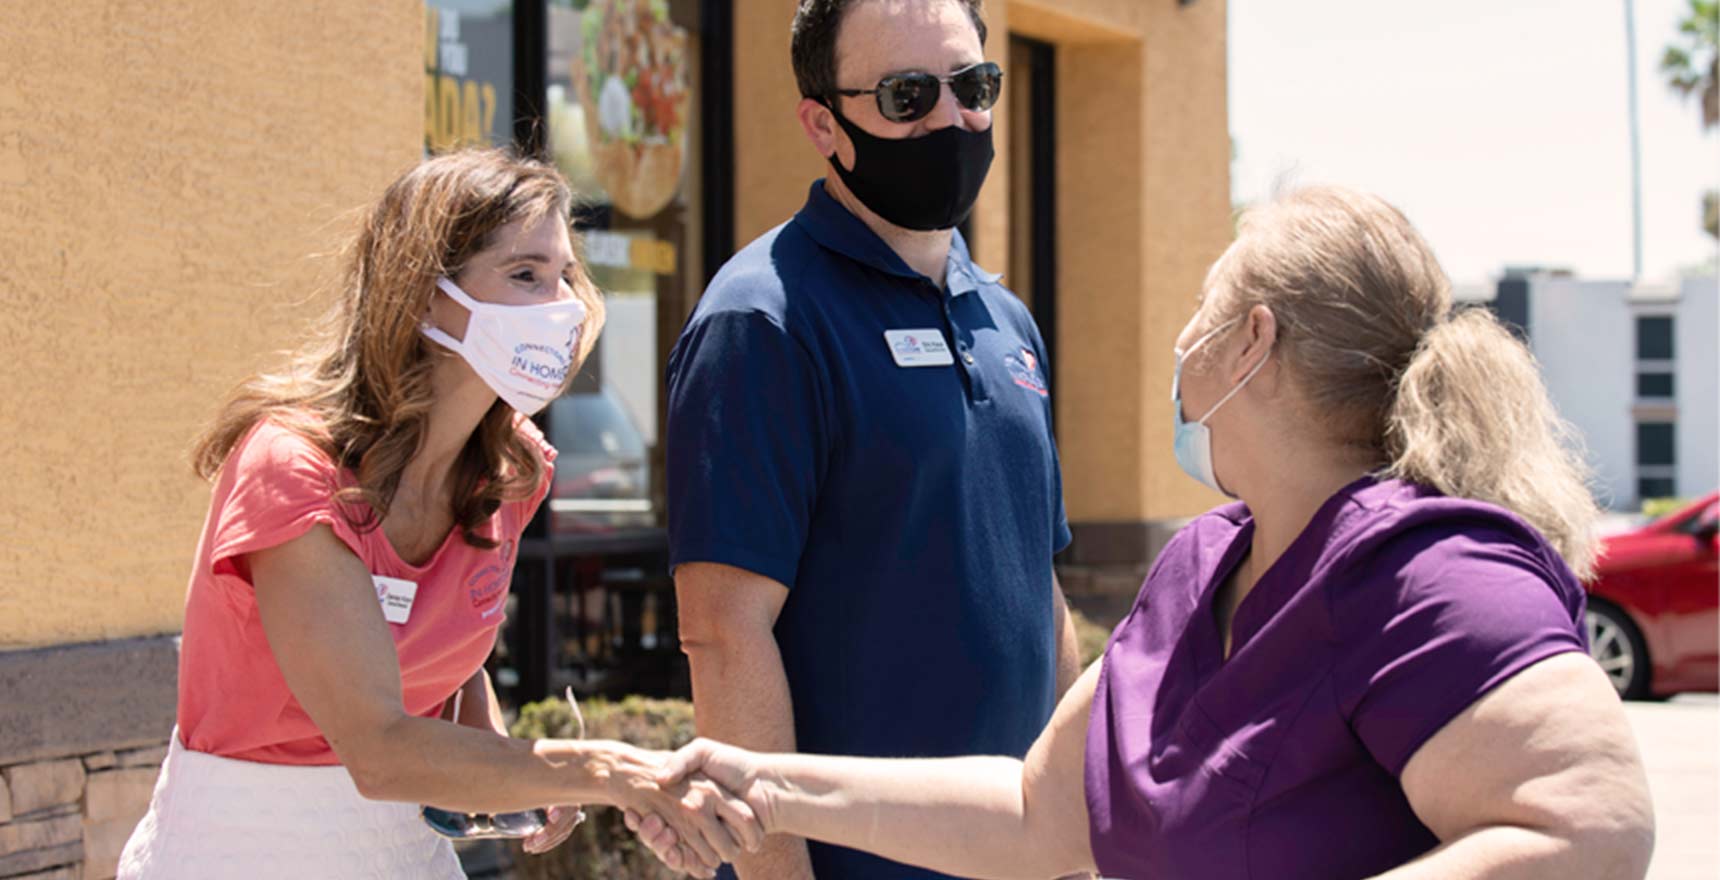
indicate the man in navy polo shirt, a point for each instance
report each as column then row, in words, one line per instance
column 864, row 496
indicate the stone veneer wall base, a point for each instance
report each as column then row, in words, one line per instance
column 83, row 732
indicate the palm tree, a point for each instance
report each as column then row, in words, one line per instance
column 1691, row 66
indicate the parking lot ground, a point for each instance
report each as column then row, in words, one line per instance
column 1680, row 741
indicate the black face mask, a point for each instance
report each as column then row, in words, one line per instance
column 928, row 182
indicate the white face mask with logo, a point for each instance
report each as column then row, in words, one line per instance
column 522, row 352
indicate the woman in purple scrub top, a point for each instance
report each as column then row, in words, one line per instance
column 1371, row 665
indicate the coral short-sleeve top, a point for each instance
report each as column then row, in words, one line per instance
column 275, row 486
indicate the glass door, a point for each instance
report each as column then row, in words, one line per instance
column 622, row 122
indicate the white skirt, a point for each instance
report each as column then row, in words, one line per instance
column 213, row 817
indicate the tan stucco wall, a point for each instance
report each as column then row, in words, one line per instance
column 774, row 162
column 1102, row 370
column 168, row 172
column 1186, row 193
column 1144, row 208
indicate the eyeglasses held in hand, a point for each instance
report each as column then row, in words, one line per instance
column 906, row 97
column 476, row 826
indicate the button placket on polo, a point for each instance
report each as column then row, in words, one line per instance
column 972, row 374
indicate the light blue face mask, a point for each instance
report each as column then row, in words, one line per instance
column 1194, row 439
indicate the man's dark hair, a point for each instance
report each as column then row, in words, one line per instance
column 812, row 45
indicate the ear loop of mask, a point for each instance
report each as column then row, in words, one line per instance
column 458, row 346
column 1183, row 358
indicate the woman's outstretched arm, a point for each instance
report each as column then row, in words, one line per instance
column 976, row 817
column 319, row 611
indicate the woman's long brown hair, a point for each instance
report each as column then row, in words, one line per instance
column 360, row 388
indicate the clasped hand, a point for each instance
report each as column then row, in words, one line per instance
column 706, row 770
column 692, row 819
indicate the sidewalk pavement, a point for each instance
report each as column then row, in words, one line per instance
column 1680, row 742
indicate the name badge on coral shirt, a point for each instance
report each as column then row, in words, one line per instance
column 919, row 348
column 396, row 596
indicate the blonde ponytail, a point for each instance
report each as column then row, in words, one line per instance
column 1446, row 399
column 1472, row 419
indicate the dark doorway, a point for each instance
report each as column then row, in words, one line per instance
column 1031, row 89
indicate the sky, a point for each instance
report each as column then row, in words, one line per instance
column 1499, row 128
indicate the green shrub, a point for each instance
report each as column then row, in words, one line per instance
column 1090, row 637
column 1655, row 508
column 602, row 848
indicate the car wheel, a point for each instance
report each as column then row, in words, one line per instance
column 1617, row 646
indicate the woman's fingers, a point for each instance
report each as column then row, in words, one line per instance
column 740, row 821
column 702, row 803
column 562, row 821
column 670, row 855
column 691, row 865
column 694, row 838
column 657, row 835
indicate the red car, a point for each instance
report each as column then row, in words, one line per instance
column 1653, row 619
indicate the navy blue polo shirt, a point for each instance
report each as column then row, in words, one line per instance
column 882, row 447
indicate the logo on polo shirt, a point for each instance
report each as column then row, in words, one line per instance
column 1024, row 370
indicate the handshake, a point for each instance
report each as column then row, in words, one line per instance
column 695, row 809
column 700, row 807
column 708, row 803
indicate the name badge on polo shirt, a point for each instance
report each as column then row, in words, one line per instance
column 919, row 348
column 396, row 596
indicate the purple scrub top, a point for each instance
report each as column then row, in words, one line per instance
column 1393, row 611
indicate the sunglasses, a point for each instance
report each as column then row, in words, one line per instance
column 477, row 826
column 906, row 97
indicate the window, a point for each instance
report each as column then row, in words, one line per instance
column 613, row 93
column 1701, row 523
column 622, row 81
column 1654, row 338
column 1511, row 306
column 1654, row 385
column 1654, row 444
column 1656, row 487
column 468, row 74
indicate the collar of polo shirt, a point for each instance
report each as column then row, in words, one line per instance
column 833, row 227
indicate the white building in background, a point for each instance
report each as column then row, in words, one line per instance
column 1636, row 369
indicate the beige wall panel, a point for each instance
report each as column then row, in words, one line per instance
column 990, row 221
column 167, row 172
column 1078, row 21
column 1100, row 216
column 1187, row 197
column 774, row 162
column 1144, row 191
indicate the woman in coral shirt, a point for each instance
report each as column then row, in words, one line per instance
column 354, row 567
